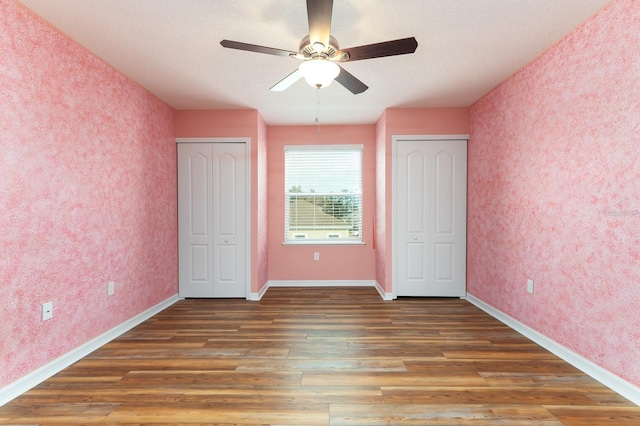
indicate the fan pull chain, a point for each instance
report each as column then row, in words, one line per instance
column 317, row 107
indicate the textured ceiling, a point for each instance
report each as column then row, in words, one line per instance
column 172, row 48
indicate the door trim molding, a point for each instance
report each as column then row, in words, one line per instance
column 396, row 138
column 213, row 140
column 248, row 247
column 394, row 202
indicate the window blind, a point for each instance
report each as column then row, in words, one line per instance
column 323, row 194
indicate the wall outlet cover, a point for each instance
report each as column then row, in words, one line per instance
column 47, row 311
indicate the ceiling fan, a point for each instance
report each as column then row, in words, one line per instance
column 320, row 52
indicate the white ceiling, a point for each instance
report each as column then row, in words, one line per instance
column 172, row 48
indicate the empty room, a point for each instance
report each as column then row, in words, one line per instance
column 320, row 212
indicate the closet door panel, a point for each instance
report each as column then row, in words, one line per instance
column 230, row 218
column 195, row 243
column 212, row 219
column 430, row 213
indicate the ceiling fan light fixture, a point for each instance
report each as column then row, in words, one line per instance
column 319, row 72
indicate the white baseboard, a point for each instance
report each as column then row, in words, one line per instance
column 383, row 294
column 322, row 283
column 607, row 378
column 255, row 297
column 38, row 376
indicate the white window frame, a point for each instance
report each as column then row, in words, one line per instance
column 323, row 236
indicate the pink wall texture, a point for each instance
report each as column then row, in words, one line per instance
column 239, row 124
column 261, row 209
column 554, row 192
column 87, row 195
column 351, row 262
column 380, row 216
column 397, row 122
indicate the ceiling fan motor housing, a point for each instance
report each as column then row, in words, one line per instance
column 329, row 52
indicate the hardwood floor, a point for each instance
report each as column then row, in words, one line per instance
column 321, row 356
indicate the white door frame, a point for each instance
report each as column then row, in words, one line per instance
column 247, row 142
column 394, row 201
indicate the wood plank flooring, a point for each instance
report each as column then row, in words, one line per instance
column 321, row 356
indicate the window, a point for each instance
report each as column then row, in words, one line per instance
column 323, row 194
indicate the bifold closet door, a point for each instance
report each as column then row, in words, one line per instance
column 212, row 219
column 430, row 217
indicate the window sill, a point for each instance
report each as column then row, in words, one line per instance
column 324, row 243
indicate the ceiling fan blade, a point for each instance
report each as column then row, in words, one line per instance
column 319, row 14
column 379, row 50
column 255, row 48
column 287, row 82
column 351, row 83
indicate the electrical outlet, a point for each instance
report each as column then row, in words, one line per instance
column 316, row 256
column 111, row 288
column 530, row 286
column 47, row 311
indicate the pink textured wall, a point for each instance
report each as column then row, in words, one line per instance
column 262, row 236
column 380, row 216
column 395, row 122
column 87, row 195
column 238, row 124
column 351, row 262
column 228, row 123
column 554, row 192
